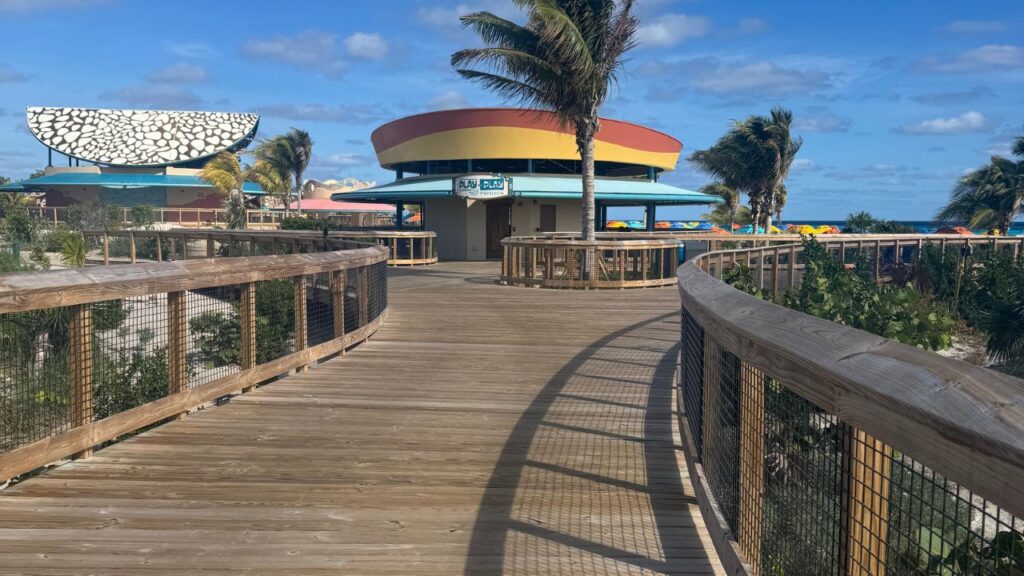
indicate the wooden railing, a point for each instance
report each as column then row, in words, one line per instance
column 572, row 263
column 404, row 247
column 821, row 449
column 89, row 355
column 212, row 217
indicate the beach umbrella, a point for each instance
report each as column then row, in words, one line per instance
column 954, row 230
column 617, row 224
column 662, row 225
column 635, row 224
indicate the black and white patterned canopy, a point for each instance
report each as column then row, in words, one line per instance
column 140, row 137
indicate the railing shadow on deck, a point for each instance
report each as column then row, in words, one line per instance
column 621, row 520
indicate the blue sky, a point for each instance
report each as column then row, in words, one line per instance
column 895, row 100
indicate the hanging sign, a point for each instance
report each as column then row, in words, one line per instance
column 481, row 186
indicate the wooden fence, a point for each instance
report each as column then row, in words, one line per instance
column 570, row 263
column 89, row 355
column 821, row 449
column 404, row 247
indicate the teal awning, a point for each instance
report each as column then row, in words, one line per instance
column 616, row 190
column 119, row 181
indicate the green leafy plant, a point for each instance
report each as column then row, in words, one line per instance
column 72, row 252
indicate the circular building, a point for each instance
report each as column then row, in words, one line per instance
column 134, row 157
column 483, row 174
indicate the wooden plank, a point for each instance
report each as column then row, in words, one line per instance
column 300, row 284
column 868, row 510
column 80, row 349
column 177, row 341
column 247, row 328
column 752, row 463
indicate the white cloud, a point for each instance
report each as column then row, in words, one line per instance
column 368, row 46
column 450, row 100
column 762, row 78
column 353, row 114
column 8, row 74
column 751, row 26
column 974, row 26
column 447, row 17
column 154, row 96
column 342, row 160
column 310, row 50
column 181, row 73
column 820, row 120
column 41, row 5
column 190, row 50
column 970, row 121
column 802, row 165
column 671, row 29
column 991, row 57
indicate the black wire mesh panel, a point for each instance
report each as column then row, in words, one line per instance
column 129, row 353
column 213, row 342
column 720, row 453
column 319, row 309
column 275, row 319
column 35, row 399
column 802, row 486
column 692, row 357
column 937, row 527
column 351, row 300
column 377, row 289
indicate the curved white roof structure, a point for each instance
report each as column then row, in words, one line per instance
column 140, row 137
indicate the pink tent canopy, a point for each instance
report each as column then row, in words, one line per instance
column 328, row 205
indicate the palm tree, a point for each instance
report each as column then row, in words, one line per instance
column 271, row 180
column 562, row 60
column 9, row 200
column 781, row 195
column 289, row 154
column 226, row 174
column 731, row 201
column 72, row 250
column 1005, row 327
column 754, row 157
column 859, row 223
column 989, row 197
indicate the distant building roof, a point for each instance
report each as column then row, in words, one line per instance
column 140, row 137
column 328, row 205
column 617, row 190
column 119, row 181
column 509, row 133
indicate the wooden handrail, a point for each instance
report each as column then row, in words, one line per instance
column 406, row 247
column 571, row 263
column 77, row 290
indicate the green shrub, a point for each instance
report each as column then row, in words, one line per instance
column 143, row 216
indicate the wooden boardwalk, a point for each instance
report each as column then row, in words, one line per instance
column 484, row 430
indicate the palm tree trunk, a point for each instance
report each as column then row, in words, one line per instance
column 587, row 155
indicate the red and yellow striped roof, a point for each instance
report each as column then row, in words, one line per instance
column 509, row 133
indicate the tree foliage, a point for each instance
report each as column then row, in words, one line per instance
column 754, row 157
column 989, row 197
column 564, row 59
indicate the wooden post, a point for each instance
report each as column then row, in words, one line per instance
column 159, row 248
column 878, row 260
column 247, row 332
column 752, row 455
column 363, row 289
column 80, row 368
column 337, row 280
column 301, row 326
column 775, row 272
column 177, row 319
column 792, row 266
column 868, row 507
column 131, row 246
column 106, row 249
column 209, row 246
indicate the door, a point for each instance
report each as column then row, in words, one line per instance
column 499, row 225
column 547, row 218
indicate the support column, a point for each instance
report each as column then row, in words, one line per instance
column 651, row 211
column 176, row 344
column 80, row 368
